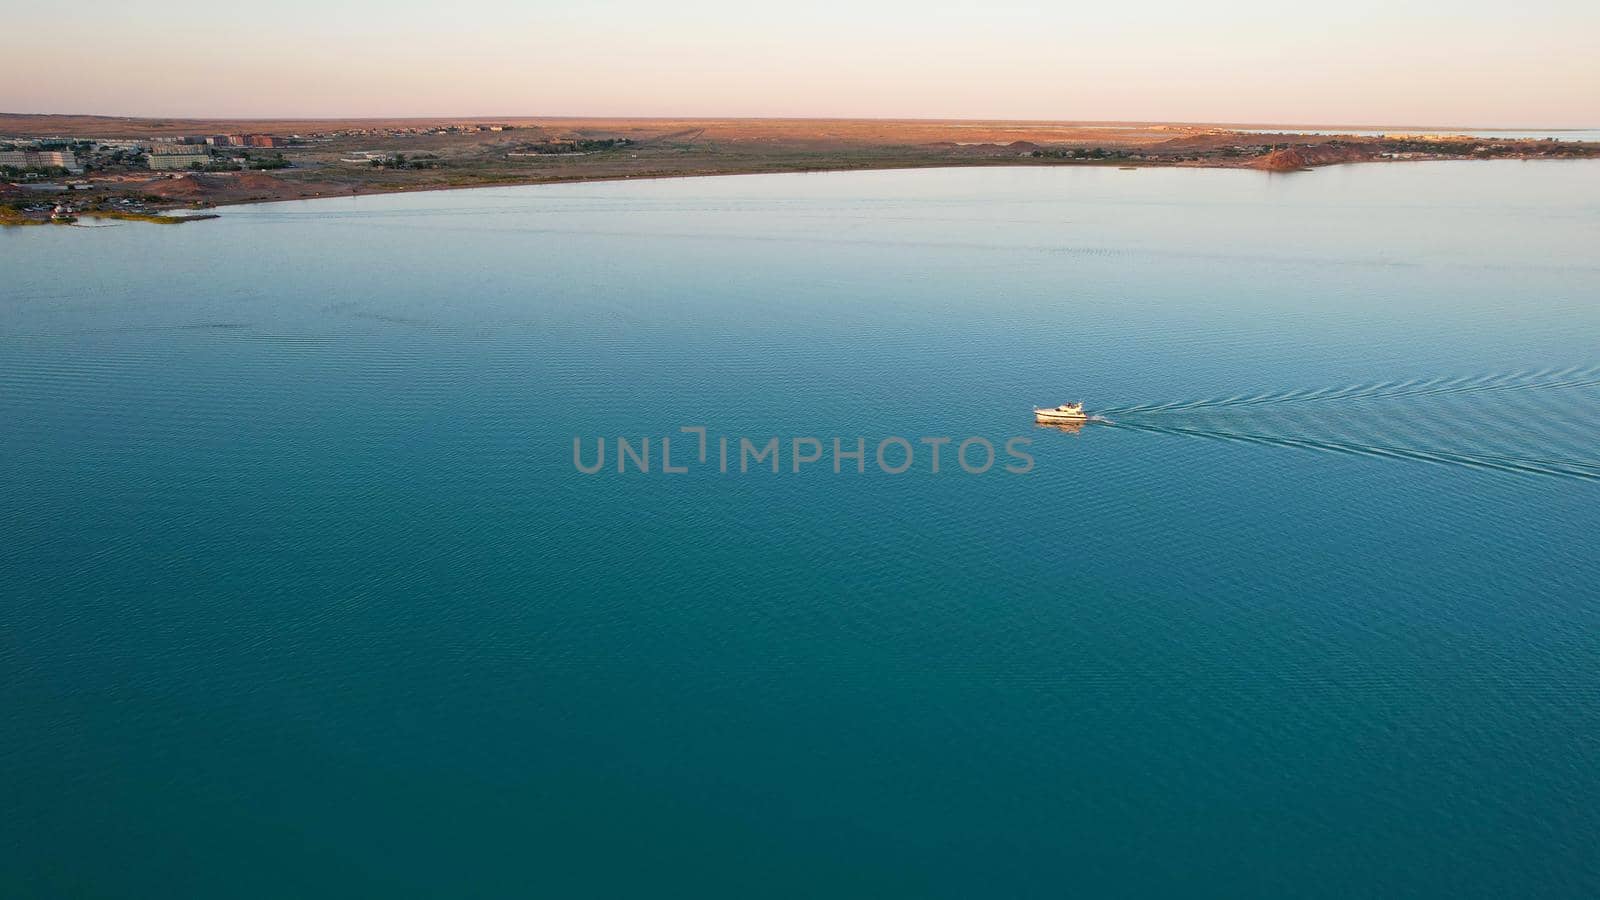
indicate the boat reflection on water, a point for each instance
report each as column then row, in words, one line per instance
column 1069, row 427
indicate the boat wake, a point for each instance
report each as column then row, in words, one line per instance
column 1586, row 471
column 1542, row 379
column 1533, row 422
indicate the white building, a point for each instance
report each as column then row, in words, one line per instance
column 40, row 159
column 167, row 157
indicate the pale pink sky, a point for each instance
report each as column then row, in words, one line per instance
column 1465, row 63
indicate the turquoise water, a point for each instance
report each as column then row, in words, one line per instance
column 303, row 595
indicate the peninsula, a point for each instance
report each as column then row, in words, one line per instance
column 53, row 168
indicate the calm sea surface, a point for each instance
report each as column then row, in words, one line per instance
column 304, row 596
column 1560, row 134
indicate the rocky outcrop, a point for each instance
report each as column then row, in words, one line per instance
column 1305, row 156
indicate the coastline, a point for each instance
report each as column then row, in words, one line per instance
column 386, row 191
column 368, row 157
column 884, row 167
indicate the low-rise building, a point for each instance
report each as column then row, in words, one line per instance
column 172, row 162
column 41, row 159
column 167, row 157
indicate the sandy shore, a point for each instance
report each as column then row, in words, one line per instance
column 378, row 156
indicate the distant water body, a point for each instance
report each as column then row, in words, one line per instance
column 303, row 595
column 1566, row 134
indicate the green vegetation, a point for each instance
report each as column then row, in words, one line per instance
column 36, row 212
column 136, row 216
column 33, row 172
column 399, row 161
column 1079, row 153
column 12, row 215
column 228, row 164
column 559, row 147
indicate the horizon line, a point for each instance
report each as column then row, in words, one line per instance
column 1220, row 123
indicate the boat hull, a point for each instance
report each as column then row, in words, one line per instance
column 1051, row 417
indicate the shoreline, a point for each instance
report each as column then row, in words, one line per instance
column 381, row 157
column 158, row 213
column 887, row 167
column 663, row 176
